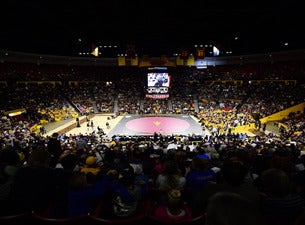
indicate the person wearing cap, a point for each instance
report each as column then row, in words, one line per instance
column 90, row 166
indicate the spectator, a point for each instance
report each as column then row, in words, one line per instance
column 91, row 166
column 171, row 177
column 36, row 185
column 200, row 174
column 233, row 173
column 173, row 210
column 54, row 149
column 82, row 195
column 280, row 205
column 226, row 208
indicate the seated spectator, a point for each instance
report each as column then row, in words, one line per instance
column 158, row 165
column 91, row 166
column 280, row 205
column 141, row 180
column 126, row 198
column 199, row 174
column 121, row 163
column 68, row 162
column 170, row 177
column 122, row 197
column 174, row 208
column 36, row 185
column 82, row 195
column 233, row 180
column 226, row 208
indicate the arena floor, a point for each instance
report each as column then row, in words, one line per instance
column 130, row 125
column 134, row 125
column 166, row 125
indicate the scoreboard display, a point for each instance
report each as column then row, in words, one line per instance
column 158, row 83
column 158, row 80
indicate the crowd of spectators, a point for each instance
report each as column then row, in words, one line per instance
column 68, row 169
column 183, row 176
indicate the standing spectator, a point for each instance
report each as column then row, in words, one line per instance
column 81, row 145
column 54, row 149
column 9, row 166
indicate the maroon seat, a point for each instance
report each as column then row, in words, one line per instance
column 137, row 218
column 198, row 220
column 152, row 219
column 16, row 219
column 75, row 220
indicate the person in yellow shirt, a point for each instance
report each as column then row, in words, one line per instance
column 91, row 166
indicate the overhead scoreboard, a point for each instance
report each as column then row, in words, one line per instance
column 158, row 83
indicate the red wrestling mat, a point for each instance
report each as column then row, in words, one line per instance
column 147, row 125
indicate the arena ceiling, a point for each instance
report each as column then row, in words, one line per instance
column 155, row 27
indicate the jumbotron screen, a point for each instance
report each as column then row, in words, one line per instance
column 158, row 80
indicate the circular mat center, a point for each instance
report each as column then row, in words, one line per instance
column 157, row 124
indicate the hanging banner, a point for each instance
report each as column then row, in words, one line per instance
column 200, row 53
column 134, row 61
column 179, row 61
column 121, row 61
column 191, row 61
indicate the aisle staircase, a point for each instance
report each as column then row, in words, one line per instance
column 95, row 109
column 196, row 107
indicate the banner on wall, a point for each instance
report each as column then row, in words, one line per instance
column 134, row 61
column 191, row 60
column 200, row 53
column 121, row 61
column 179, row 61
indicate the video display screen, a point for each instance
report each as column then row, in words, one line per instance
column 158, row 80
